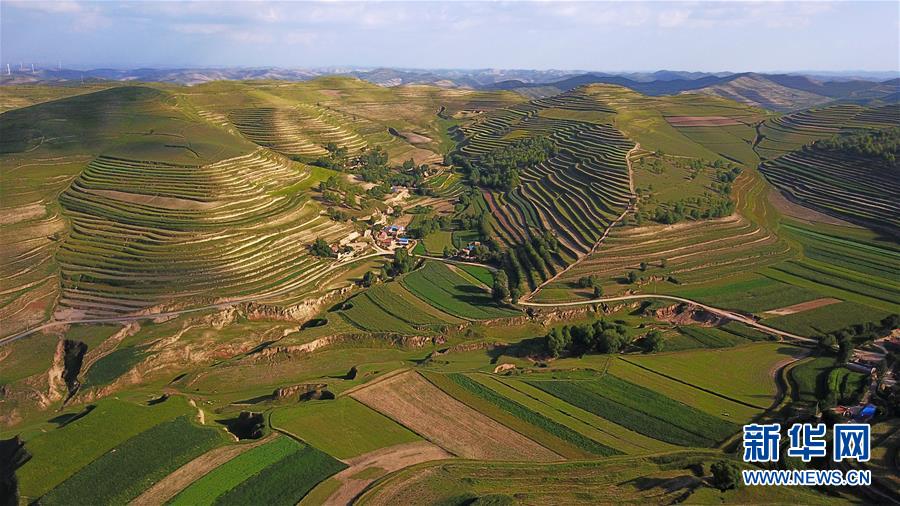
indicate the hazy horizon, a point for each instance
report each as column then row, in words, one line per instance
column 723, row 36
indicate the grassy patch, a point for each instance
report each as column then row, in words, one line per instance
column 641, row 410
column 344, row 427
column 232, row 473
column 449, row 292
column 58, row 454
column 135, row 465
column 742, row 373
column 435, row 242
column 482, row 274
column 284, row 482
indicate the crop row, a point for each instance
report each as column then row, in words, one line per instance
column 849, row 187
column 641, row 410
column 530, row 416
column 219, row 230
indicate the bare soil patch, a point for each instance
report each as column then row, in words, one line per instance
column 17, row 214
column 172, row 203
column 414, row 402
column 790, row 208
column 414, row 138
column 700, row 121
column 803, row 306
column 388, row 459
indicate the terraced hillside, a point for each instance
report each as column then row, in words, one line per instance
column 575, row 194
column 144, row 232
column 301, row 130
column 854, row 184
column 785, row 134
column 45, row 146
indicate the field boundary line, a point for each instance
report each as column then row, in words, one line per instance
column 717, row 394
column 383, row 377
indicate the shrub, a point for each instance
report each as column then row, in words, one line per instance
column 725, row 474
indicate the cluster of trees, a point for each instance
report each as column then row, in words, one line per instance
column 592, row 282
column 880, row 144
column 320, row 248
column 679, row 211
column 500, row 168
column 728, row 176
column 848, row 338
column 429, row 224
column 402, row 263
column 338, row 191
column 598, row 337
column 336, row 159
column 337, row 214
column 531, row 260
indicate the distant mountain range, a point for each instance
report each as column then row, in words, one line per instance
column 779, row 92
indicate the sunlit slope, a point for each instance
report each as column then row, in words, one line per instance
column 132, row 202
column 575, row 194
column 203, row 230
column 45, row 146
column 859, row 185
column 300, row 119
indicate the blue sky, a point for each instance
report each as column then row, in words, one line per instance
column 615, row 36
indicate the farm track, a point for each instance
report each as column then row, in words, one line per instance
column 603, row 237
column 719, row 312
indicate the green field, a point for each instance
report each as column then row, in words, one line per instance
column 233, row 472
column 532, row 417
column 121, row 475
column 344, row 427
column 742, row 374
column 286, row 481
column 483, row 274
column 437, row 241
column 436, row 284
column 641, row 410
column 387, row 308
column 705, row 401
column 60, row 453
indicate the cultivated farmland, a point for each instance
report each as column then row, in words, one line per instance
column 414, row 402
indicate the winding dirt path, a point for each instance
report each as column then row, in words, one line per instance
column 606, row 232
column 716, row 311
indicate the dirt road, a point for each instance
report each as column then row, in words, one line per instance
column 716, row 311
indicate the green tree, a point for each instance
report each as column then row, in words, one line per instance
column 369, row 279
column 632, row 277
column 725, row 474
column 320, row 248
column 403, row 262
column 653, row 341
column 500, row 290
column 557, row 342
